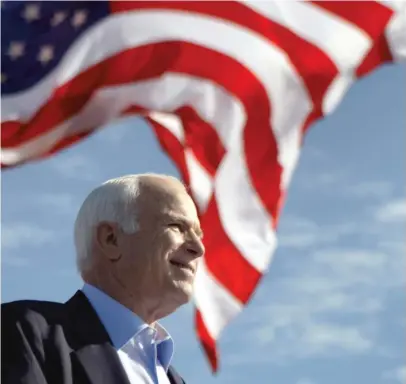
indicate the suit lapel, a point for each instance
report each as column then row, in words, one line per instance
column 102, row 365
column 174, row 377
column 93, row 349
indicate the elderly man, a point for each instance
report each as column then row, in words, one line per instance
column 138, row 242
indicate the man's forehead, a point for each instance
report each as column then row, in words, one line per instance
column 179, row 215
column 167, row 201
column 170, row 206
column 162, row 187
column 165, row 195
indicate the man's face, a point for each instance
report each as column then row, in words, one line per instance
column 159, row 261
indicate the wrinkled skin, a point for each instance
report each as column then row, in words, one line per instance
column 152, row 270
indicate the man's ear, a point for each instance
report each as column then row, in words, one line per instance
column 107, row 240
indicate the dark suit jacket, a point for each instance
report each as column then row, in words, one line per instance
column 54, row 343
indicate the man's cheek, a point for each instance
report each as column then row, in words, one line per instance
column 172, row 242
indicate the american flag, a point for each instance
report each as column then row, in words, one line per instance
column 229, row 89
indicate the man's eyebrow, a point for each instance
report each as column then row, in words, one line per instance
column 174, row 216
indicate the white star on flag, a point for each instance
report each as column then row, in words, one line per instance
column 31, row 12
column 15, row 50
column 58, row 18
column 46, row 54
column 79, row 18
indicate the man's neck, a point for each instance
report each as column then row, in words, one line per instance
column 146, row 309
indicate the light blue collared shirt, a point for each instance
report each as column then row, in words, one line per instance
column 155, row 345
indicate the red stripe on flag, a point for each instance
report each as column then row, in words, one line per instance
column 126, row 67
column 370, row 16
column 11, row 132
column 158, row 58
column 62, row 144
column 202, row 138
column 171, row 145
column 311, row 118
column 373, row 18
column 228, row 267
column 223, row 259
column 378, row 55
column 261, row 153
column 207, row 342
column 167, row 140
column 218, row 68
column 313, row 64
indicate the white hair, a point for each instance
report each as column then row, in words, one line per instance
column 114, row 201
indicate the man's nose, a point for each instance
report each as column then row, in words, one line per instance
column 195, row 246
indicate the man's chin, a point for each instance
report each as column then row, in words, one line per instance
column 184, row 291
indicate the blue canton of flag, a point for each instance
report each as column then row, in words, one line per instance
column 36, row 35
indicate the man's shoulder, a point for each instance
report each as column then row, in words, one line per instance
column 31, row 311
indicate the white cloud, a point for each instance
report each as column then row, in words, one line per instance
column 320, row 337
column 24, row 234
column 76, row 166
column 392, row 245
column 397, row 375
column 377, row 189
column 285, row 337
column 392, row 211
column 321, row 180
column 349, row 258
column 301, row 313
column 298, row 233
column 19, row 235
column 313, row 152
column 338, row 182
column 300, row 240
column 352, row 265
column 62, row 203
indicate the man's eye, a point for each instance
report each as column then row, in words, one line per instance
column 176, row 226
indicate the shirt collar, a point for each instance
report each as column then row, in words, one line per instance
column 122, row 324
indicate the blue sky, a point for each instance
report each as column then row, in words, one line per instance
column 331, row 309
